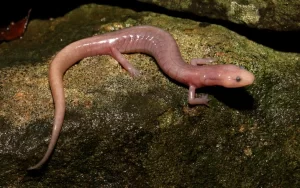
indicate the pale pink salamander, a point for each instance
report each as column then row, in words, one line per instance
column 144, row 39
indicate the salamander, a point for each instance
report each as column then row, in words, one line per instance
column 140, row 39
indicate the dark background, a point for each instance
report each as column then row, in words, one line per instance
column 288, row 41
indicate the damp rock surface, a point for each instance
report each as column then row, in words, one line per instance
column 262, row 14
column 119, row 131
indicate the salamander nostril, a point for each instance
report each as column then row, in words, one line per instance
column 238, row 79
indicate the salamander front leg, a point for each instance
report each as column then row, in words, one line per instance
column 199, row 100
column 202, row 61
column 124, row 62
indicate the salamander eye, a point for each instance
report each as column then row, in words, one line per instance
column 238, row 79
column 242, row 67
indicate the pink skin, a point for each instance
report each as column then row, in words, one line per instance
column 144, row 39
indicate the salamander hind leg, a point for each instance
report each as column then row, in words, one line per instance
column 197, row 100
column 202, row 61
column 124, row 62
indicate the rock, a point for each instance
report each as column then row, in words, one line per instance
column 267, row 14
column 124, row 132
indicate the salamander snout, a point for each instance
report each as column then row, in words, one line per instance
column 230, row 76
column 235, row 76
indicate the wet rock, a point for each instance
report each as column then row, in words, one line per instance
column 266, row 14
column 120, row 131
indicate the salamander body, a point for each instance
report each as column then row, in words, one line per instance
column 142, row 39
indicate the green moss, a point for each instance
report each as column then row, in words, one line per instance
column 248, row 14
column 176, row 4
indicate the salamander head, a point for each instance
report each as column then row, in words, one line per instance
column 230, row 76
